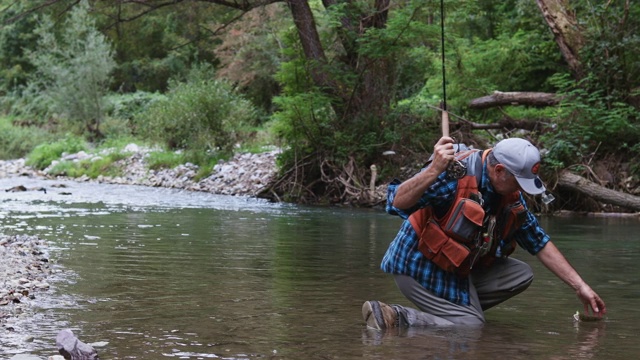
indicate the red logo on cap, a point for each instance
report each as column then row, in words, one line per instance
column 535, row 168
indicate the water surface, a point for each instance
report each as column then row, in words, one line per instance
column 160, row 273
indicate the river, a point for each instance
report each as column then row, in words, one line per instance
column 160, row 273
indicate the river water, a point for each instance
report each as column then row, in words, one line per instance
column 159, row 273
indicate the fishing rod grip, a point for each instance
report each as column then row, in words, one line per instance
column 445, row 123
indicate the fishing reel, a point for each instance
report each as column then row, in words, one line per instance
column 456, row 170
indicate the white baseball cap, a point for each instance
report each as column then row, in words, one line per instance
column 522, row 159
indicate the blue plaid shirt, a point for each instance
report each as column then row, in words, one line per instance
column 403, row 257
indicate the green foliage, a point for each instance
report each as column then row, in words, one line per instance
column 128, row 105
column 161, row 45
column 361, row 124
column 157, row 160
column 18, row 141
column 249, row 54
column 164, row 159
column 588, row 124
column 304, row 120
column 598, row 117
column 123, row 109
column 200, row 114
column 511, row 62
column 72, row 71
column 92, row 168
column 15, row 37
column 610, row 54
column 44, row 154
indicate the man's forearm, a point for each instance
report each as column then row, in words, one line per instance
column 410, row 191
column 553, row 259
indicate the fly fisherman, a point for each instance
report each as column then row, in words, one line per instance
column 461, row 223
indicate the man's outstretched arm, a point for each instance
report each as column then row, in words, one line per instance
column 553, row 259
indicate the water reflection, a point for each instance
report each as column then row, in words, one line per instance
column 486, row 342
column 204, row 279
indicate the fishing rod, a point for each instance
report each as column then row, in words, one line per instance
column 456, row 169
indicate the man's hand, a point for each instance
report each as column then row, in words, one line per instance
column 410, row 191
column 589, row 298
column 443, row 154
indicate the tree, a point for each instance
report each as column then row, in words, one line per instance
column 349, row 58
column 14, row 39
column 360, row 77
column 567, row 32
column 72, row 70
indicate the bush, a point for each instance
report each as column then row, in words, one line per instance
column 17, row 142
column 590, row 125
column 128, row 106
column 199, row 114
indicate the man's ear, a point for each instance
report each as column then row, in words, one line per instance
column 500, row 169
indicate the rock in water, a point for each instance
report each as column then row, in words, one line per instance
column 72, row 348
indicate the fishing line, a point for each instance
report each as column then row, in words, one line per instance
column 444, row 86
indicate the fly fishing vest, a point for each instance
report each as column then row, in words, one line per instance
column 465, row 235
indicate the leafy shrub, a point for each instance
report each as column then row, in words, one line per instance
column 122, row 111
column 17, row 142
column 200, row 114
column 128, row 106
column 589, row 123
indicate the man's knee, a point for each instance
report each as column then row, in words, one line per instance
column 523, row 277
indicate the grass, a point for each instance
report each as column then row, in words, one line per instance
column 41, row 147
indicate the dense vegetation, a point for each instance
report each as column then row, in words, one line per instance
column 336, row 84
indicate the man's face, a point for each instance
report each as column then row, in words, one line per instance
column 503, row 181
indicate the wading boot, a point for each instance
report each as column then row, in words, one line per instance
column 378, row 315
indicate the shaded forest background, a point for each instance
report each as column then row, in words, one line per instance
column 342, row 87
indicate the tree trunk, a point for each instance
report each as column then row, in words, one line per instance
column 515, row 98
column 568, row 34
column 579, row 184
column 310, row 40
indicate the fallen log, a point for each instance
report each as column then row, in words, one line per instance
column 504, row 123
column 579, row 184
column 498, row 98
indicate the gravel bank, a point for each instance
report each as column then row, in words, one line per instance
column 23, row 270
column 243, row 175
column 25, row 267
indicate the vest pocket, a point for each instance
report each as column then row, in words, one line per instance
column 465, row 221
column 447, row 253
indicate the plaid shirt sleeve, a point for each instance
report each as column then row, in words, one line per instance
column 531, row 236
column 441, row 193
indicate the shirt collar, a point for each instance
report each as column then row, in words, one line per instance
column 488, row 193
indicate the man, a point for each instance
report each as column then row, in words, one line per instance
column 454, row 267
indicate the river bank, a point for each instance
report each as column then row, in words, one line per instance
column 26, row 268
column 245, row 174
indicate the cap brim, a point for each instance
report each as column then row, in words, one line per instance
column 531, row 186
